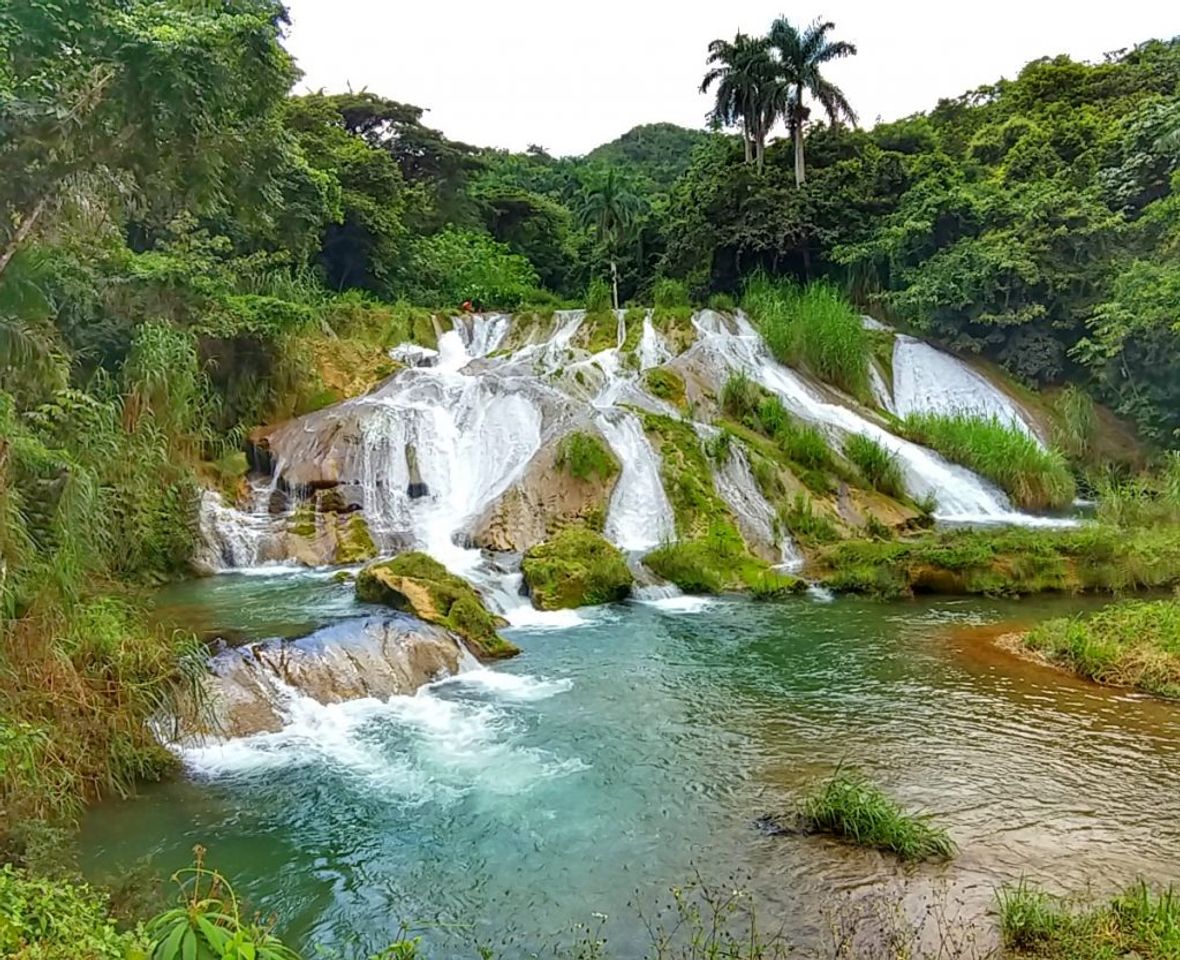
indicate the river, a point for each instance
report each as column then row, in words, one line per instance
column 636, row 749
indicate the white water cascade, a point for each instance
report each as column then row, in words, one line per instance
column 927, row 380
column 756, row 517
column 960, row 495
column 640, row 515
column 231, row 538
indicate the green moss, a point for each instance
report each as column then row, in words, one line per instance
column 805, row 525
column 422, row 330
column 882, row 343
column 450, row 601
column 584, row 456
column 598, row 331
column 576, row 568
column 665, row 384
column 633, row 321
column 302, row 523
column 1006, row 562
column 354, row 542
column 716, row 562
column 687, row 478
column 1134, row 644
column 675, row 323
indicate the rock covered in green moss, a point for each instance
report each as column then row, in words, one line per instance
column 354, row 543
column 719, row 562
column 418, row 584
column 576, row 568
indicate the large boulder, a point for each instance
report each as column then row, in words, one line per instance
column 418, row 584
column 576, row 568
column 555, row 491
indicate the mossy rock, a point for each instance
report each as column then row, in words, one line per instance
column 302, row 521
column 666, row 384
column 720, row 562
column 354, row 543
column 418, row 584
column 576, row 568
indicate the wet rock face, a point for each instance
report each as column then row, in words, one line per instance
column 544, row 500
column 251, row 688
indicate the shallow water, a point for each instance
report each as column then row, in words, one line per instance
column 626, row 753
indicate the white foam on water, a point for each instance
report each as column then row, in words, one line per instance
column 509, row 686
column 682, row 603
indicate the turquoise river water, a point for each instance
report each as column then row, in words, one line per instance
column 637, row 749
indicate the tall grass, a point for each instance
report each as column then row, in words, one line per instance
column 814, row 327
column 852, row 807
column 1076, row 423
column 1134, row 644
column 584, row 456
column 1139, row 923
column 1035, row 478
column 878, row 466
column 670, row 293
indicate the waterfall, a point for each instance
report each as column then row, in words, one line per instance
column 482, row 333
column 640, row 516
column 653, row 351
column 960, row 495
column 927, row 380
column 230, row 538
column 756, row 517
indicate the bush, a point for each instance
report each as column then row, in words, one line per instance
column 805, row 525
column 457, row 265
column 584, row 456
column 598, row 296
column 670, row 293
column 852, row 807
column 576, row 568
column 665, row 384
column 722, row 303
column 740, row 396
column 813, row 327
column 1134, row 644
column 877, row 465
column 1035, row 478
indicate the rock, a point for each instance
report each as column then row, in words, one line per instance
column 576, row 568
column 418, row 584
column 544, row 500
column 354, row 543
column 380, row 657
column 330, row 500
column 276, row 505
column 416, row 488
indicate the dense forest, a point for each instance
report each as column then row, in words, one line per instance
column 177, row 230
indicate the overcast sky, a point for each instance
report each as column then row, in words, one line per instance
column 569, row 76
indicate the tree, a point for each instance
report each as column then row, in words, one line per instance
column 610, row 208
column 800, row 57
column 748, row 90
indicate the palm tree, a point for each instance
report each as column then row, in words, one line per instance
column 800, row 55
column 609, row 207
column 748, row 92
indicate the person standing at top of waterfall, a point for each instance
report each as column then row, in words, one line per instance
column 468, row 306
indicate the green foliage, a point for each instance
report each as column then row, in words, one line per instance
column 1134, row 644
column 598, row 296
column 1034, row 477
column 878, row 466
column 806, row 525
column 43, row 919
column 456, row 265
column 1138, row 922
column 670, row 293
column 209, row 922
column 814, row 327
column 687, row 479
column 585, row 457
column 1076, row 423
column 575, row 568
column 1006, row 562
column 718, row 561
column 852, row 807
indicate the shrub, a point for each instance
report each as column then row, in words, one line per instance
column 805, row 525
column 665, row 384
column 584, row 456
column 814, row 327
column 575, row 568
column 456, row 265
column 722, row 303
column 878, row 466
column 670, row 293
column 1076, row 422
column 1035, row 478
column 598, row 296
column 1134, row 644
column 852, row 807
column 740, row 396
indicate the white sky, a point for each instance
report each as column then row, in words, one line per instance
column 570, row 75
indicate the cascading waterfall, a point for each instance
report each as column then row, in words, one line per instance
column 756, row 517
column 960, row 495
column 640, row 516
column 653, row 351
column 232, row 538
column 927, row 380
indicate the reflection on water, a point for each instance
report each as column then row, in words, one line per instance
column 620, row 755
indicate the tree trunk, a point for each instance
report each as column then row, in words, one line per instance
column 746, row 140
column 614, row 279
column 800, row 173
column 22, row 233
column 760, row 147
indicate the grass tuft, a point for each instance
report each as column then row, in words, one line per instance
column 1133, row 644
column 878, row 466
column 585, row 457
column 813, row 327
column 1035, row 478
column 852, row 807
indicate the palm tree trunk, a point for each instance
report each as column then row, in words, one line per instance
column 614, row 279
column 746, row 140
column 800, row 173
